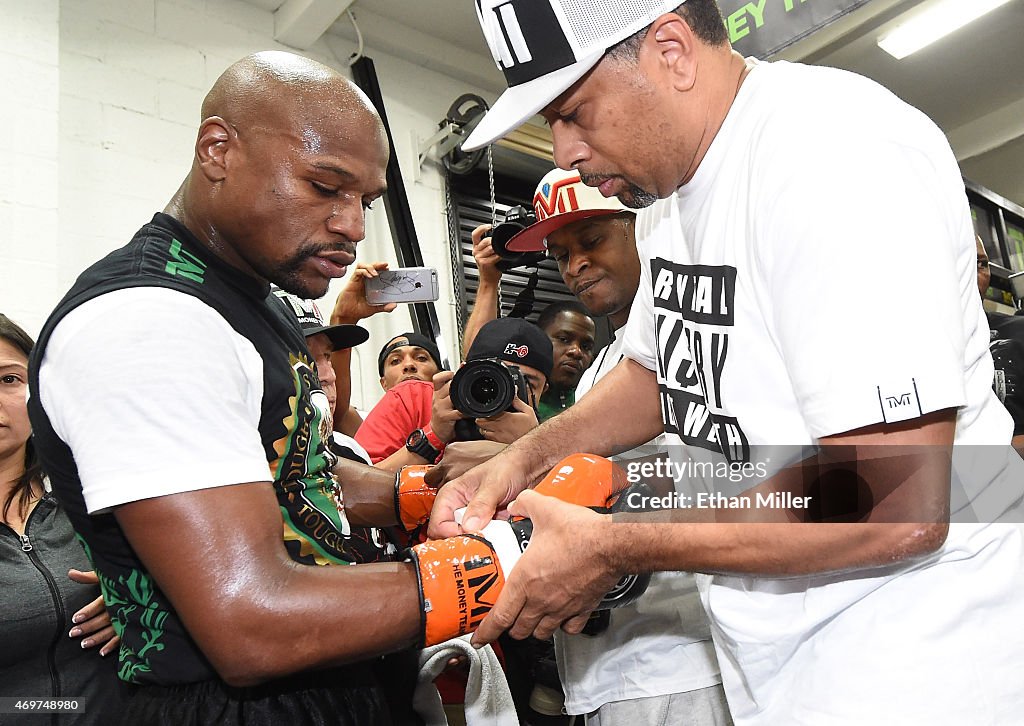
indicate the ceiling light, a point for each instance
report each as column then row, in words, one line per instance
column 937, row 21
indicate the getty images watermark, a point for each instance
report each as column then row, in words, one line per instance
column 733, row 472
column 836, row 483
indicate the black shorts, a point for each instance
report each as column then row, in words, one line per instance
column 371, row 693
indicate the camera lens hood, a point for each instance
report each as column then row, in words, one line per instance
column 482, row 388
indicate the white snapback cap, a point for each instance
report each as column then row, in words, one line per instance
column 544, row 46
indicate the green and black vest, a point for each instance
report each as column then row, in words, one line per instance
column 155, row 647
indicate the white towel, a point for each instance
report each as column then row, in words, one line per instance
column 488, row 699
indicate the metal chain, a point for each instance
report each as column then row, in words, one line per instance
column 455, row 249
column 494, row 206
column 490, row 183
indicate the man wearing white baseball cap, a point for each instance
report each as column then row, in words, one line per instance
column 765, row 319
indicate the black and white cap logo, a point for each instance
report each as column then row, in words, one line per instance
column 544, row 46
column 306, row 311
column 525, row 38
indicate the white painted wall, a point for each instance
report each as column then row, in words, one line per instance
column 97, row 124
column 29, row 77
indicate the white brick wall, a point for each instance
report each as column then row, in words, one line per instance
column 97, row 123
column 29, row 71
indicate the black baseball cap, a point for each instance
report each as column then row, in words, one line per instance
column 312, row 322
column 404, row 339
column 515, row 341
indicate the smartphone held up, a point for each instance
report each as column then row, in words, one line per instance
column 403, row 285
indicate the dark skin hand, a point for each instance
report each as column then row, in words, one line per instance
column 459, row 457
column 255, row 613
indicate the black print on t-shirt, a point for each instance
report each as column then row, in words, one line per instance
column 693, row 314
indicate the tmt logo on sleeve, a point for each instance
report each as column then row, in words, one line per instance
column 899, row 402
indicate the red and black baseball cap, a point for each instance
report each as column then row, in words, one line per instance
column 515, row 341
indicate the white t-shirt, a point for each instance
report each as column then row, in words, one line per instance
column 660, row 644
column 129, row 447
column 772, row 308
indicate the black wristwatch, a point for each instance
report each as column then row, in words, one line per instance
column 419, row 444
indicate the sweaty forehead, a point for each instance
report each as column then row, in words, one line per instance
column 325, row 130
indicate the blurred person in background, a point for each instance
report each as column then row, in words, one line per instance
column 1007, row 348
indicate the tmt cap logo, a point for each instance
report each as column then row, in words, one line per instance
column 556, row 198
column 520, row 351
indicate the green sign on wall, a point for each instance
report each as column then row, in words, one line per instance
column 761, row 28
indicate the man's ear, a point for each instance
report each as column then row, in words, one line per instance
column 382, row 383
column 672, row 47
column 215, row 137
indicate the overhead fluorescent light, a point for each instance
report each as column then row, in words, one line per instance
column 937, row 21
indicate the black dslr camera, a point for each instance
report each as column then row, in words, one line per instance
column 516, row 220
column 484, row 388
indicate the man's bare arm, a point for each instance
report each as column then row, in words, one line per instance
column 908, row 520
column 369, row 493
column 349, row 308
column 401, row 457
column 903, row 471
column 255, row 613
column 485, row 308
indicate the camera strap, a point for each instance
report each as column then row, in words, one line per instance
column 523, row 305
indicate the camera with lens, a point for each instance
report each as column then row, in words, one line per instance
column 516, row 220
column 483, row 388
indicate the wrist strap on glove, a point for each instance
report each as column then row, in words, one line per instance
column 584, row 479
column 414, row 498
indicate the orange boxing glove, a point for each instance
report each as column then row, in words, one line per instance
column 460, row 579
column 414, row 498
column 585, row 479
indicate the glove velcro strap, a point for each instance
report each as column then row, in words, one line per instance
column 414, row 498
column 460, row 580
column 584, row 479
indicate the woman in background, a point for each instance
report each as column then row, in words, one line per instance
column 48, row 596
